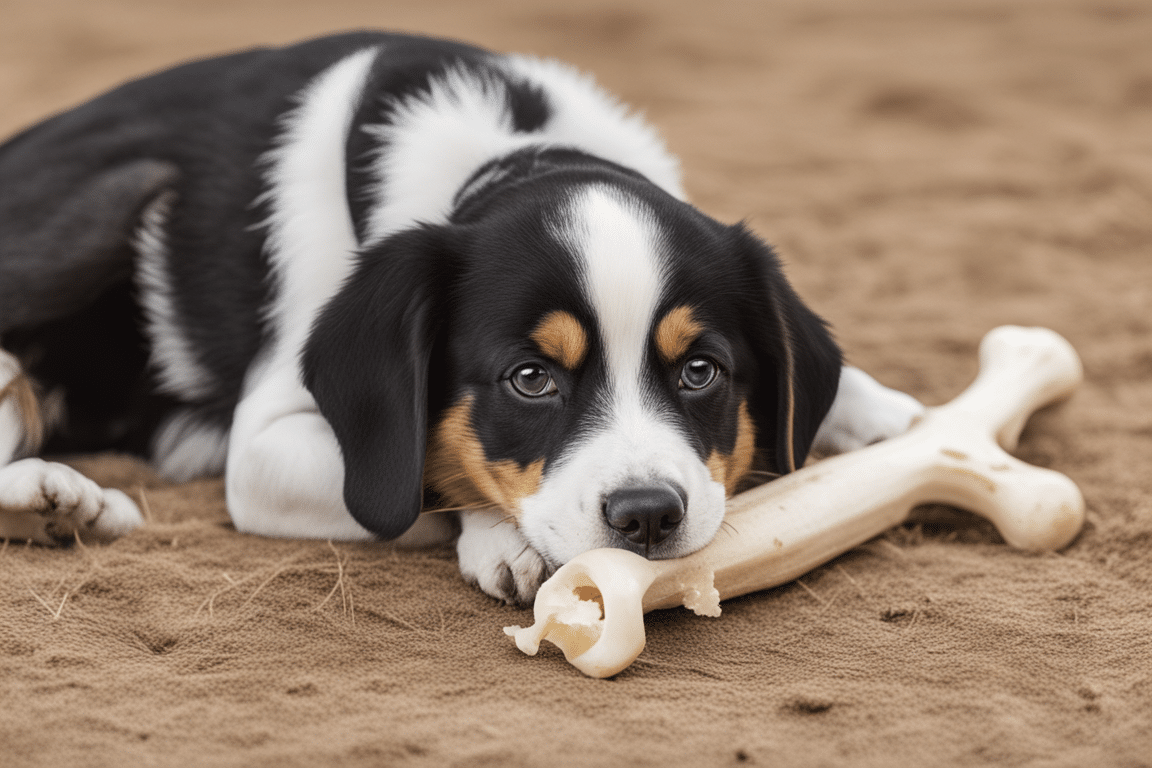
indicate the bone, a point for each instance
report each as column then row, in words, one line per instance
column 593, row 607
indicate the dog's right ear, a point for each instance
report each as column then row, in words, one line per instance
column 367, row 365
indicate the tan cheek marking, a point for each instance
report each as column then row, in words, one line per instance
column 457, row 469
column 676, row 332
column 730, row 469
column 562, row 338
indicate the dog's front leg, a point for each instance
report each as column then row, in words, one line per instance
column 496, row 557
column 285, row 474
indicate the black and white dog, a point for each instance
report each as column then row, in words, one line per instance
column 372, row 274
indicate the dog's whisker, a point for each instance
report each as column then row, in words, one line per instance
column 503, row 520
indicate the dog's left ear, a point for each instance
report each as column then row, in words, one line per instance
column 798, row 361
column 367, row 365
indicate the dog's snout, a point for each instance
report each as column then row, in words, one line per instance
column 645, row 515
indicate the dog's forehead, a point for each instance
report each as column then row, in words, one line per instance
column 597, row 271
column 616, row 244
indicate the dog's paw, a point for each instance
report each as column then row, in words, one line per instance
column 495, row 557
column 865, row 412
column 50, row 503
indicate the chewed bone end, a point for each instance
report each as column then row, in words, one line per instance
column 572, row 621
column 592, row 610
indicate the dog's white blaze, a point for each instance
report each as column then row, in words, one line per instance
column 621, row 272
column 617, row 245
column 177, row 369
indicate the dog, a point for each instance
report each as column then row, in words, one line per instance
column 373, row 274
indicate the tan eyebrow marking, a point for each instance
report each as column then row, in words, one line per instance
column 676, row 332
column 561, row 337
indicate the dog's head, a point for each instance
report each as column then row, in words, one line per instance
column 575, row 347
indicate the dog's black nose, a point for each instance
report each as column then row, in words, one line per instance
column 645, row 515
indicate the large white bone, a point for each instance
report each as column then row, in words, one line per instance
column 592, row 607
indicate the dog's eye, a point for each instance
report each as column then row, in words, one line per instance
column 698, row 373
column 533, row 380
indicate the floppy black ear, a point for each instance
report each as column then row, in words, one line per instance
column 367, row 365
column 798, row 362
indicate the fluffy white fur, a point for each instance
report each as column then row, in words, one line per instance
column 436, row 141
column 178, row 371
column 587, row 117
column 185, row 447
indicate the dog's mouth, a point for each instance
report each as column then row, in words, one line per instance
column 644, row 517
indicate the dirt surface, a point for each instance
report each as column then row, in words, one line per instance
column 928, row 169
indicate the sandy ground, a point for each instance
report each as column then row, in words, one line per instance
column 929, row 169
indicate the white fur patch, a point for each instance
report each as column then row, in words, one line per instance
column 436, row 140
column 432, row 144
column 311, row 242
column 177, row 369
column 587, row 117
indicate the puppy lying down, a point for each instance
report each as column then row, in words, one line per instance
column 373, row 274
